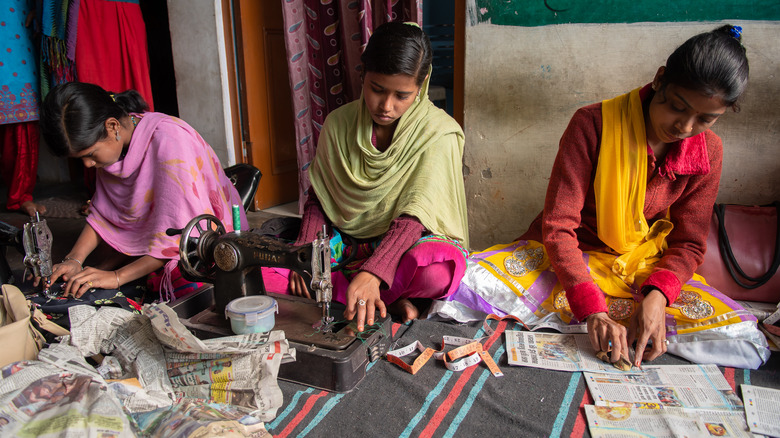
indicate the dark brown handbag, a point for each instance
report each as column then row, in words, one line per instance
column 743, row 252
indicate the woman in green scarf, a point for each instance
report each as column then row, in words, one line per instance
column 388, row 172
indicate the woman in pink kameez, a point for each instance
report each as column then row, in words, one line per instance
column 154, row 172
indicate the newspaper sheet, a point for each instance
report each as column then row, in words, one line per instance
column 760, row 310
column 632, row 421
column 682, row 386
column 169, row 362
column 768, row 314
column 772, row 333
column 238, row 370
column 150, row 366
column 553, row 351
column 131, row 348
column 59, row 395
column 199, row 419
column 762, row 408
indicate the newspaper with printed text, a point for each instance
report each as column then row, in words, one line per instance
column 59, row 395
column 553, row 351
column 681, row 386
column 152, row 373
column 762, row 409
column 633, row 421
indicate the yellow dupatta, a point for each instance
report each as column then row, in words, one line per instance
column 620, row 185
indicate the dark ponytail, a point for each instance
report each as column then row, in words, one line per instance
column 73, row 115
column 131, row 101
column 713, row 63
column 398, row 48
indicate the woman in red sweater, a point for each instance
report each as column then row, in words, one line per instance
column 626, row 217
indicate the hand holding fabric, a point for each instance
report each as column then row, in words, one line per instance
column 78, row 284
column 67, row 269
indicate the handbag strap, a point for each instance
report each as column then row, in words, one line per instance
column 730, row 260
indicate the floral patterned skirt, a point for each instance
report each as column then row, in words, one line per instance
column 702, row 325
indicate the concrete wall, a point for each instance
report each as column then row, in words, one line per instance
column 522, row 85
column 199, row 61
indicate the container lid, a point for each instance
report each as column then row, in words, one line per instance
column 249, row 307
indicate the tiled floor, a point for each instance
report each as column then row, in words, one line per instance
column 290, row 209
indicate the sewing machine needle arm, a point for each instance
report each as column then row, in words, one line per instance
column 321, row 281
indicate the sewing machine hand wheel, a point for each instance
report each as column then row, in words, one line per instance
column 196, row 252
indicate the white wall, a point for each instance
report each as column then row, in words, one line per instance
column 522, row 85
column 201, row 81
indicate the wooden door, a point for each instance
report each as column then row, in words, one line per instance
column 460, row 53
column 267, row 131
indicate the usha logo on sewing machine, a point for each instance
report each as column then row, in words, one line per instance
column 266, row 257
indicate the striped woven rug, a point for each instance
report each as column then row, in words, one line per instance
column 436, row 402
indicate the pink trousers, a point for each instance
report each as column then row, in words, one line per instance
column 429, row 270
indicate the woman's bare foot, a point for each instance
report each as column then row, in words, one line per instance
column 405, row 309
column 30, row 208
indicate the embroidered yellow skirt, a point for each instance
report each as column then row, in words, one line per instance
column 702, row 325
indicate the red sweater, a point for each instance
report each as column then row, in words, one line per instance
column 567, row 225
column 403, row 233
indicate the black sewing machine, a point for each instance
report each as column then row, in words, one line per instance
column 35, row 242
column 330, row 353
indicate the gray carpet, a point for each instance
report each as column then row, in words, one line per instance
column 67, row 206
column 61, row 200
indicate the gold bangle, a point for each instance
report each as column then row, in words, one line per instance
column 116, row 274
column 75, row 260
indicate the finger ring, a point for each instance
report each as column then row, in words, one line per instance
column 89, row 283
column 666, row 341
column 361, row 302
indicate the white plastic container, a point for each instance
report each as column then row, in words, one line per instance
column 252, row 314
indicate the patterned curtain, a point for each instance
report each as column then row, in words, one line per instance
column 58, row 20
column 324, row 40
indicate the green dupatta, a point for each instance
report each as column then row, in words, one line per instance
column 420, row 174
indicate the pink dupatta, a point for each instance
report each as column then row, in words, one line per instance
column 169, row 176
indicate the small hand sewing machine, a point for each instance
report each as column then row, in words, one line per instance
column 331, row 354
column 37, row 242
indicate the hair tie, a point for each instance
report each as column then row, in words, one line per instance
column 736, row 31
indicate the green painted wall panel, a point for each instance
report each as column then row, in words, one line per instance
column 544, row 12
